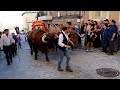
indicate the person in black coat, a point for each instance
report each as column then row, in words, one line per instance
column 14, row 45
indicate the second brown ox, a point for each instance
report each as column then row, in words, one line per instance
column 39, row 40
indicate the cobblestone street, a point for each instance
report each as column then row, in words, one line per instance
column 84, row 65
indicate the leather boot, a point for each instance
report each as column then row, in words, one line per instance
column 68, row 69
column 60, row 69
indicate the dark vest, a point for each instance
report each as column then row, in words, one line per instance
column 65, row 41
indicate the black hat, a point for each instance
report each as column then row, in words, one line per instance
column 6, row 30
column 106, row 20
column 64, row 28
column 113, row 21
column 89, row 20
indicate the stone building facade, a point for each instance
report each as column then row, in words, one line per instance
column 60, row 17
column 97, row 15
column 28, row 18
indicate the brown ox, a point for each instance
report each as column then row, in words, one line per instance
column 39, row 40
column 72, row 35
column 57, row 29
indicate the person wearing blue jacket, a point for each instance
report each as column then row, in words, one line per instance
column 112, row 36
column 104, row 37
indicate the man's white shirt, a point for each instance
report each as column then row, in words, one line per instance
column 60, row 40
column 7, row 40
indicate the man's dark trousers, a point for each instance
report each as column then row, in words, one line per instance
column 8, row 53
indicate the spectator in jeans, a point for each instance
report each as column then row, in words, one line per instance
column 112, row 36
column 104, row 37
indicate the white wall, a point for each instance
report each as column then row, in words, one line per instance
column 30, row 26
column 28, row 17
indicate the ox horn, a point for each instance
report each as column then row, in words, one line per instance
column 43, row 38
column 56, row 36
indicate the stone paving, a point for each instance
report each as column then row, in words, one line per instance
column 83, row 63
